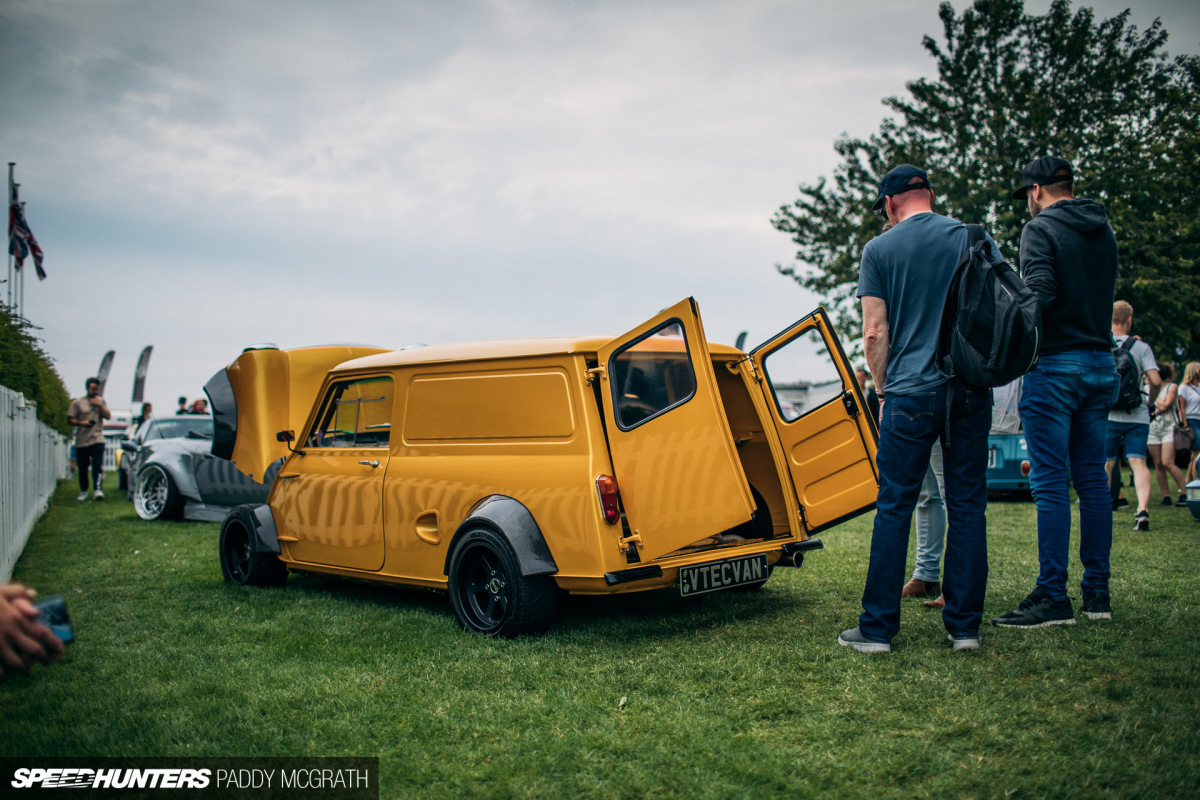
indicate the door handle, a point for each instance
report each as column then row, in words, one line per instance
column 371, row 464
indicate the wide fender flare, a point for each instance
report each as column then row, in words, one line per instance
column 262, row 521
column 512, row 520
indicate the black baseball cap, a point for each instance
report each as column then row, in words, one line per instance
column 897, row 182
column 1043, row 171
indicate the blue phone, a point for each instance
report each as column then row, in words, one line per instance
column 54, row 616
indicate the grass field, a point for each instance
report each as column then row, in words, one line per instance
column 646, row 696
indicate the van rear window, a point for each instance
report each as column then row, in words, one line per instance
column 651, row 375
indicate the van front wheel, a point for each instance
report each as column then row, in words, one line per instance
column 489, row 594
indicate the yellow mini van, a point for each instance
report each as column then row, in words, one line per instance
column 504, row 472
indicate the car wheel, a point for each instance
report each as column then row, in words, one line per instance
column 241, row 563
column 489, row 594
column 156, row 496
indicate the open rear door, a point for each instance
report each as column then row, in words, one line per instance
column 828, row 438
column 675, row 461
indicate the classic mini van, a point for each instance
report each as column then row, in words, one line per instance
column 506, row 471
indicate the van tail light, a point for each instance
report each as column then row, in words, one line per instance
column 1025, row 468
column 606, row 486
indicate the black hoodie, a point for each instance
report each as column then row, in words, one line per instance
column 1069, row 260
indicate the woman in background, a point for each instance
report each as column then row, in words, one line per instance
column 1190, row 392
column 1161, row 443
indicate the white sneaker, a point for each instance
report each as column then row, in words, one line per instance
column 82, row 496
column 99, row 495
column 965, row 643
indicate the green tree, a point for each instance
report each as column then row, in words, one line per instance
column 1010, row 87
column 25, row 368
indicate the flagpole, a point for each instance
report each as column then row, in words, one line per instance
column 9, row 284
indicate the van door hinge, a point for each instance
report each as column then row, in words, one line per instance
column 803, row 518
column 851, row 406
column 632, row 540
column 596, row 371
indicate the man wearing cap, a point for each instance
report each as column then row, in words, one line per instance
column 902, row 285
column 1069, row 259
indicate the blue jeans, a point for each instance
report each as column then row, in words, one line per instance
column 910, row 426
column 931, row 521
column 1064, row 408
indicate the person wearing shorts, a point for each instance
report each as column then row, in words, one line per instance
column 1161, row 442
column 1133, row 426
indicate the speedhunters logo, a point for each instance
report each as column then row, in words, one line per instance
column 261, row 778
column 68, row 778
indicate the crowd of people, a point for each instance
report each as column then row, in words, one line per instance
column 932, row 453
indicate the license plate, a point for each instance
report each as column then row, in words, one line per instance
column 716, row 575
column 991, row 457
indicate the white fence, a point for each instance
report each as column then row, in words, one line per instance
column 33, row 458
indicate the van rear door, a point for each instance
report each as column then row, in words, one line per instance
column 829, row 440
column 675, row 460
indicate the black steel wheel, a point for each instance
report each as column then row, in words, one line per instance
column 156, row 496
column 489, row 594
column 241, row 563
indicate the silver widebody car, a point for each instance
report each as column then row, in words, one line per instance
column 180, row 477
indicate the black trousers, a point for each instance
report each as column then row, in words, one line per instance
column 93, row 454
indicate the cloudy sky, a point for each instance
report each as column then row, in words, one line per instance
column 207, row 175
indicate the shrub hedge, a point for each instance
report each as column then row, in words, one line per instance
column 26, row 368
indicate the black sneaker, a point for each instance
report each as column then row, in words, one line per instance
column 1096, row 605
column 1120, row 502
column 1167, row 501
column 1142, row 521
column 1182, row 501
column 1037, row 611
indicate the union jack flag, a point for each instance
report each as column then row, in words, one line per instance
column 20, row 238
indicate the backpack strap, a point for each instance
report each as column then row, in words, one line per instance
column 975, row 235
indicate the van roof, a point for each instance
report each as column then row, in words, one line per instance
column 489, row 350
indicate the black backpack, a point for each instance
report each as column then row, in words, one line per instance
column 992, row 322
column 1129, row 376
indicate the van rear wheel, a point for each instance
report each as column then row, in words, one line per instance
column 490, row 595
column 241, row 563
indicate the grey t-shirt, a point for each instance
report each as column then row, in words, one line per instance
column 910, row 268
column 1143, row 356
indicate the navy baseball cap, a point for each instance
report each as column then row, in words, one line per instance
column 897, row 182
column 1043, row 171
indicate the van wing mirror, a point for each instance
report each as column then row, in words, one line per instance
column 287, row 437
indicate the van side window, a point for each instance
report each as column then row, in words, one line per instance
column 355, row 413
column 651, row 375
column 801, row 375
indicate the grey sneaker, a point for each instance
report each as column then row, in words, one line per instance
column 98, row 495
column 1037, row 611
column 1096, row 605
column 964, row 642
column 82, row 496
column 854, row 638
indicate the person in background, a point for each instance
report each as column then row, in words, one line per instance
column 1069, row 260
column 1189, row 390
column 145, row 413
column 869, row 394
column 23, row 640
column 183, row 406
column 199, row 407
column 87, row 414
column 1132, row 427
column 1161, row 443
